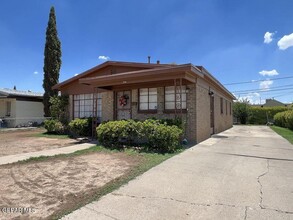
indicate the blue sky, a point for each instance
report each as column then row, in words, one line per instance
column 235, row 40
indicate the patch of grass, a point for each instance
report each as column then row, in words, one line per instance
column 284, row 132
column 48, row 135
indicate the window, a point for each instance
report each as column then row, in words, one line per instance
column 230, row 108
column 8, row 108
column 226, row 107
column 172, row 97
column 221, row 102
column 83, row 106
column 148, row 99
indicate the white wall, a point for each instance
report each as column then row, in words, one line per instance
column 27, row 111
column 3, row 110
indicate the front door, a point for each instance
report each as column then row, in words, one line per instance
column 123, row 105
column 212, row 115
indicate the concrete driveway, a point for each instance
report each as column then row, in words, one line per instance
column 243, row 173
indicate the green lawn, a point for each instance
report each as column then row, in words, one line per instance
column 47, row 135
column 284, row 132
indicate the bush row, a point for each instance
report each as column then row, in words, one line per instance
column 153, row 135
column 77, row 127
column 284, row 119
column 262, row 115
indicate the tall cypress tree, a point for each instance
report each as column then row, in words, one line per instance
column 52, row 61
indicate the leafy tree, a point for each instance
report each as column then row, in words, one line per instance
column 59, row 108
column 52, row 61
column 241, row 110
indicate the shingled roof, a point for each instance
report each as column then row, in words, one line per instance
column 11, row 93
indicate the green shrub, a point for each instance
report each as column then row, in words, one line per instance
column 284, row 119
column 59, row 108
column 161, row 137
column 81, row 127
column 54, row 126
column 151, row 133
column 263, row 115
column 241, row 110
column 169, row 121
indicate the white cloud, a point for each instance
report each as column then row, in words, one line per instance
column 268, row 37
column 36, row 72
column 104, row 58
column 253, row 98
column 76, row 74
column 285, row 42
column 269, row 72
column 265, row 85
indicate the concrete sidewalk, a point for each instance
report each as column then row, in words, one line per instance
column 243, row 173
column 63, row 150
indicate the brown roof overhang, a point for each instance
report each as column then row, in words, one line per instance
column 109, row 63
column 187, row 72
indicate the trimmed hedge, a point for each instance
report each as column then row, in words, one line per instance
column 284, row 119
column 151, row 134
column 54, row 126
column 81, row 127
column 261, row 115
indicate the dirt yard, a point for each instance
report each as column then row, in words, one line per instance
column 23, row 141
column 40, row 189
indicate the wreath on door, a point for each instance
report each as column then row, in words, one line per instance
column 123, row 100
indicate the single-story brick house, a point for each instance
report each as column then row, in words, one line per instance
column 20, row 108
column 124, row 90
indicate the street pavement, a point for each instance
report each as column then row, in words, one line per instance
column 243, row 173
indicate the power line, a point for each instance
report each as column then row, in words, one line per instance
column 254, row 81
column 254, row 90
column 263, row 91
column 283, row 94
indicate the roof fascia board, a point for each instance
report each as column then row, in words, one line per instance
column 105, row 64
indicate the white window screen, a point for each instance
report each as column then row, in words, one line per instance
column 148, row 99
column 175, row 100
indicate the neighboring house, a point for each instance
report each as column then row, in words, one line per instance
column 124, row 90
column 20, row 108
column 272, row 103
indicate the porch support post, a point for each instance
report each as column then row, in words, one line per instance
column 181, row 99
column 175, row 88
column 94, row 113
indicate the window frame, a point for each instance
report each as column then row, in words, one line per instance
column 148, row 102
column 8, row 109
column 80, row 100
column 222, row 105
column 184, row 110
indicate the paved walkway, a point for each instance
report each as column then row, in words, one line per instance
column 243, row 173
column 63, row 150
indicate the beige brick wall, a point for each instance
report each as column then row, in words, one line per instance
column 202, row 111
column 222, row 121
column 107, row 106
column 142, row 116
column 188, row 118
column 191, row 123
column 197, row 118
